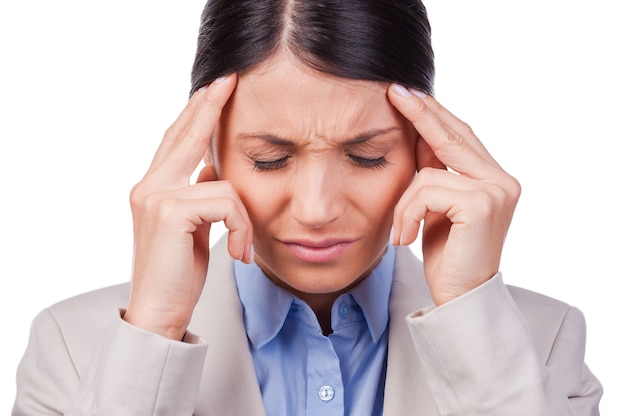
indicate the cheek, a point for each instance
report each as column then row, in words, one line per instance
column 392, row 186
column 404, row 170
column 379, row 197
column 262, row 197
column 377, row 193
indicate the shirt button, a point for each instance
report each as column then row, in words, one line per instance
column 327, row 393
column 343, row 310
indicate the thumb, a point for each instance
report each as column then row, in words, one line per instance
column 425, row 157
column 207, row 174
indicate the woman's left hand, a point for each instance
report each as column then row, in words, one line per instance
column 466, row 209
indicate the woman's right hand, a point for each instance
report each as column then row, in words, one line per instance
column 172, row 219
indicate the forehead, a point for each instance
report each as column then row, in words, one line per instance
column 284, row 96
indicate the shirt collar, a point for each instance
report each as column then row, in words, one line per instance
column 266, row 305
column 372, row 294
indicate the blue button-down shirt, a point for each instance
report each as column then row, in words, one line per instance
column 303, row 372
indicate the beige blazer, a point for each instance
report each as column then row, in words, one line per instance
column 497, row 350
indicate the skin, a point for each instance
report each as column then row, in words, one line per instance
column 320, row 166
column 312, row 171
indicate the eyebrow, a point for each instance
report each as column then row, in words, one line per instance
column 279, row 141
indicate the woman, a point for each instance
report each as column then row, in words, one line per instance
column 322, row 145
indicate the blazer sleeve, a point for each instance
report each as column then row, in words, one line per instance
column 132, row 372
column 481, row 358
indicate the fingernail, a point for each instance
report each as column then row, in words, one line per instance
column 220, row 79
column 418, row 93
column 400, row 90
column 391, row 236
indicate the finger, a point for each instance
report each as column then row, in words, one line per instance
column 215, row 190
column 187, row 141
column 425, row 157
column 198, row 213
column 162, row 205
column 413, row 206
column 239, row 231
column 451, row 145
column 437, row 227
column 452, row 203
column 457, row 124
column 442, row 178
column 207, row 174
column 202, row 190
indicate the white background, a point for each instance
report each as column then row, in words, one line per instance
column 87, row 89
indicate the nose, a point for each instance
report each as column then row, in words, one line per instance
column 317, row 197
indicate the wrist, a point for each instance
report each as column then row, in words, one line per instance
column 165, row 324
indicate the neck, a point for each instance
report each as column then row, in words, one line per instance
column 322, row 305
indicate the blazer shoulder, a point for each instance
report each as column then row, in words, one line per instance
column 82, row 320
column 544, row 316
column 537, row 305
column 529, row 298
column 95, row 301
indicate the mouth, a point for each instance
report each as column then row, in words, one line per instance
column 322, row 251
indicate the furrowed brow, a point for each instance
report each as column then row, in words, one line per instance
column 368, row 135
column 270, row 138
column 279, row 141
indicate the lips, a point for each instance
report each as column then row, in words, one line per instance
column 321, row 251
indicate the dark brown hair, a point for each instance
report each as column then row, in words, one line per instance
column 374, row 40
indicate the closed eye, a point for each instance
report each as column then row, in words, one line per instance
column 267, row 165
column 377, row 163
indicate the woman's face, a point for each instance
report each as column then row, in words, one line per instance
column 319, row 162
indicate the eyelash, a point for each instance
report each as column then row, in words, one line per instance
column 264, row 166
column 378, row 163
column 362, row 162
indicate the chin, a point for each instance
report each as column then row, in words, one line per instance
column 332, row 277
column 322, row 282
column 319, row 288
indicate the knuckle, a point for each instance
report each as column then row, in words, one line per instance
column 452, row 136
column 508, row 189
column 147, row 204
column 230, row 191
column 424, row 194
column 419, row 105
column 170, row 134
column 137, row 195
column 166, row 208
column 466, row 129
column 410, row 221
column 513, row 188
column 438, row 107
column 231, row 204
column 448, row 142
column 484, row 204
column 228, row 188
column 491, row 203
column 151, row 202
column 192, row 104
column 228, row 206
column 187, row 135
column 426, row 174
column 212, row 98
column 499, row 197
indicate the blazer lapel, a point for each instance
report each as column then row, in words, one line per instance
column 406, row 391
column 229, row 385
